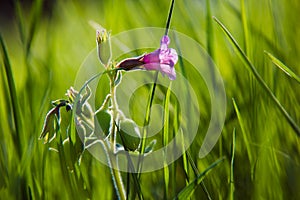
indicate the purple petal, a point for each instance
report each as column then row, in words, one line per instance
column 152, row 57
column 169, row 57
column 165, row 41
column 162, row 59
column 169, row 71
column 152, row 66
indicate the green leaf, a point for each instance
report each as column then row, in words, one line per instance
column 130, row 134
column 187, row 191
column 104, row 119
column 17, row 117
column 118, row 78
column 146, row 122
column 149, row 148
column 245, row 135
column 166, row 139
column 254, row 72
column 231, row 166
column 51, row 125
column 283, row 67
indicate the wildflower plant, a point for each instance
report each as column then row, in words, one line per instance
column 162, row 59
column 123, row 134
column 112, row 135
column 147, row 105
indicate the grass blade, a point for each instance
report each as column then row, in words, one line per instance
column 209, row 30
column 146, row 122
column 254, row 72
column 245, row 135
column 20, row 19
column 197, row 173
column 210, row 42
column 150, row 99
column 187, row 191
column 245, row 27
column 169, row 17
column 166, row 138
column 231, row 166
column 283, row 67
column 36, row 12
column 184, row 160
column 173, row 174
column 13, row 98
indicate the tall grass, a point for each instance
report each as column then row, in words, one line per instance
column 41, row 51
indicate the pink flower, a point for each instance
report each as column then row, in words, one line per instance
column 162, row 59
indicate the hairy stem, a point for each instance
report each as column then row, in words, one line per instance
column 116, row 175
column 114, row 110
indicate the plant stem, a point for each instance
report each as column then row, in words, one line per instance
column 114, row 110
column 116, row 175
column 112, row 160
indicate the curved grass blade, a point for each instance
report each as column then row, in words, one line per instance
column 186, row 192
column 13, row 98
column 197, row 173
column 254, row 72
column 245, row 135
column 283, row 67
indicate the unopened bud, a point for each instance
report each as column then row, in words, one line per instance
column 131, row 63
column 103, row 46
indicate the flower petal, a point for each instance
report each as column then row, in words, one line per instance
column 169, row 57
column 152, row 66
column 162, row 59
column 169, row 71
column 164, row 42
column 152, row 57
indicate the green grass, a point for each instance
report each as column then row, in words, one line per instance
column 254, row 45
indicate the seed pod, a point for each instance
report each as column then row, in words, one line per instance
column 103, row 46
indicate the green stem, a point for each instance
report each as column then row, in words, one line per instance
column 107, row 145
column 117, row 178
column 114, row 110
column 116, row 175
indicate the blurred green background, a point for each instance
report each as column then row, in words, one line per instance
column 46, row 42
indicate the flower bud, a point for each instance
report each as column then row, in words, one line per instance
column 103, row 46
column 130, row 134
column 130, row 63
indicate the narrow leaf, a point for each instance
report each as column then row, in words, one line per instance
column 231, row 166
column 13, row 97
column 166, row 138
column 245, row 135
column 187, row 191
column 283, row 67
column 254, row 72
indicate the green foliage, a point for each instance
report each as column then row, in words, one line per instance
column 44, row 44
column 190, row 188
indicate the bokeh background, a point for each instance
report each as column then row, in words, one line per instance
column 47, row 41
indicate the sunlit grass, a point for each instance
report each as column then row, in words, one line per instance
column 42, row 51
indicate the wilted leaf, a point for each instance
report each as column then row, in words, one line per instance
column 51, row 125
